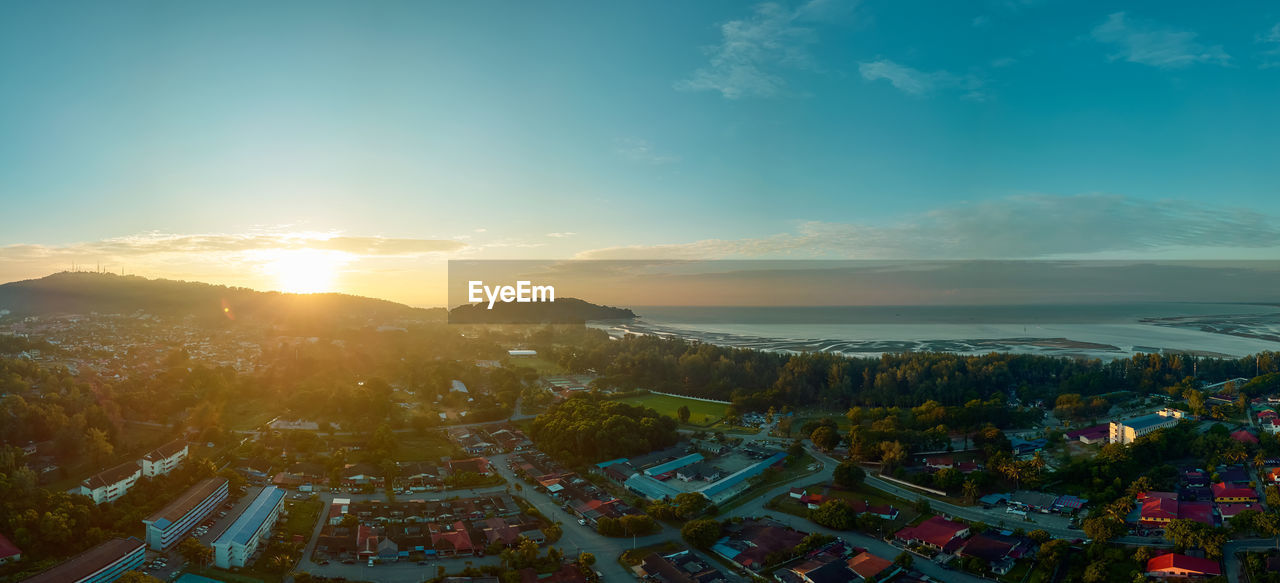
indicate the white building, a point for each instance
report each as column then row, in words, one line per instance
column 170, row 524
column 1130, row 430
column 163, row 459
column 109, row 485
column 237, row 544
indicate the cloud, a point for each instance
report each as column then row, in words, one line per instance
column 1029, row 226
column 920, row 83
column 221, row 247
column 638, row 150
column 1271, row 57
column 560, row 235
column 1156, row 45
column 754, row 51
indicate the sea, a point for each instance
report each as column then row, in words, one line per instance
column 1114, row 330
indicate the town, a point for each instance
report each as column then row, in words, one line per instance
column 518, row 465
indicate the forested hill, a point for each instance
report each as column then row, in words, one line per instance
column 561, row 311
column 106, row 293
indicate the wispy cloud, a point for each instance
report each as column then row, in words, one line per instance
column 638, row 150
column 921, row 83
column 223, row 248
column 1271, row 56
column 753, row 52
column 561, row 235
column 1153, row 44
column 1030, row 226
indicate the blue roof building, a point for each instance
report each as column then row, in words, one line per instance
column 237, row 544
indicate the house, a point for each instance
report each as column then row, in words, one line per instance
column 1033, row 501
column 867, row 566
column 798, row 493
column 1243, row 436
column 109, row 485
column 940, row 462
column 477, row 465
column 1223, row 492
column 163, row 459
column 936, row 533
column 750, row 543
column 1271, row 425
column 681, row 567
column 1090, row 435
column 884, row 511
column 452, row 542
column 1182, row 566
column 9, row 552
column 1229, row 510
column 997, row 550
column 1159, row 508
column 699, row 471
column 813, row 501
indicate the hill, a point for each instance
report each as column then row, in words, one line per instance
column 106, row 293
column 561, row 311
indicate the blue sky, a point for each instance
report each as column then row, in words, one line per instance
column 212, row 141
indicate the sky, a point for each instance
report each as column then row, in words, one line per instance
column 356, row 147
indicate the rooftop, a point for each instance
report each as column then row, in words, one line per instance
column 165, row 451
column 1145, row 421
column 89, row 562
column 248, row 522
column 183, row 504
column 111, row 476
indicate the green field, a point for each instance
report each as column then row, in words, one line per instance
column 701, row 413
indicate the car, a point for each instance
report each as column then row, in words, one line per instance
column 582, row 521
column 348, row 561
column 423, row 563
column 324, row 562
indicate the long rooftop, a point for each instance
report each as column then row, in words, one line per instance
column 183, row 504
column 248, row 522
column 89, row 562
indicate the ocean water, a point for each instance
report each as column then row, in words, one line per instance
column 1094, row 331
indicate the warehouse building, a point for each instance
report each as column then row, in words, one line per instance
column 170, row 524
column 101, row 564
column 237, row 544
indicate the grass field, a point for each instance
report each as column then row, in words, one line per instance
column 701, row 413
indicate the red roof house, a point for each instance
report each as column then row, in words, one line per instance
column 8, row 551
column 1223, row 492
column 937, row 532
column 1175, row 565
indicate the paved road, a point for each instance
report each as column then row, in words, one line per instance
column 576, row 539
column 756, row 507
column 1232, row 562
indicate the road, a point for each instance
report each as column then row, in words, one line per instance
column 1231, row 562
column 756, row 507
column 575, row 540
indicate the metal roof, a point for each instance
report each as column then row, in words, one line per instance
column 243, row 529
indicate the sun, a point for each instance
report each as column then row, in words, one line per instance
column 305, row 271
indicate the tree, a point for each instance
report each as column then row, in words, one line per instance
column 892, row 453
column 1103, row 529
column 970, row 490
column 690, row 504
column 1096, row 572
column 683, row 413
column 1039, row 536
column 825, row 438
column 136, row 577
column 904, row 560
column 586, row 560
column 834, row 514
column 191, row 550
column 98, row 446
column 1051, row 552
column 701, row 533
column 848, row 475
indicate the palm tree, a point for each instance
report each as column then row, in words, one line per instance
column 970, row 490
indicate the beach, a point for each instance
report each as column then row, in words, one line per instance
column 1217, row 330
